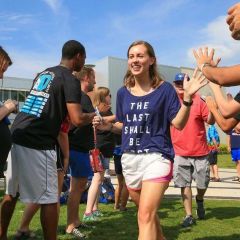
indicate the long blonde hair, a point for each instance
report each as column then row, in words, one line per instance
column 100, row 95
column 129, row 80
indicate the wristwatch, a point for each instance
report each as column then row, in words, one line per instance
column 187, row 104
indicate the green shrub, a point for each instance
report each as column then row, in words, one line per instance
column 223, row 149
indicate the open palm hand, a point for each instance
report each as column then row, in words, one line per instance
column 205, row 56
column 197, row 81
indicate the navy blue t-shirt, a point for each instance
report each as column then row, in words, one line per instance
column 146, row 120
column 234, row 139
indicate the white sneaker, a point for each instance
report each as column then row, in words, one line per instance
column 107, row 173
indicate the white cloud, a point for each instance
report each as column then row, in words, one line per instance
column 55, row 5
column 16, row 18
column 27, row 65
column 137, row 23
column 217, row 35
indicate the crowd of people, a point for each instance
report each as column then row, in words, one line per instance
column 65, row 116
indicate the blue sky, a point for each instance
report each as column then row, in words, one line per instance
column 33, row 31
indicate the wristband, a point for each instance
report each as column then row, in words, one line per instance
column 204, row 65
column 187, row 104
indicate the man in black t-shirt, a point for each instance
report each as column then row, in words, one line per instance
column 81, row 141
column 32, row 169
column 5, row 109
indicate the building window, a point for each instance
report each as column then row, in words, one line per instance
column 21, row 96
column 4, row 95
column 14, row 95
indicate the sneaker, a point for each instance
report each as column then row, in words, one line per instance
column 188, row 221
column 200, row 209
column 84, row 226
column 77, row 234
column 89, row 218
column 20, row 235
column 122, row 209
column 97, row 213
column 107, row 173
column 2, row 175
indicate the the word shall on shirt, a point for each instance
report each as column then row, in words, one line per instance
column 136, row 122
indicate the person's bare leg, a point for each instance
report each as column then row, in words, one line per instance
column 93, row 191
column 29, row 211
column 135, row 196
column 215, row 171
column 7, row 209
column 77, row 186
column 118, row 191
column 212, row 171
column 238, row 168
column 187, row 199
column 124, row 196
column 150, row 200
column 200, row 194
column 95, row 206
column 60, row 185
column 49, row 221
column 117, row 197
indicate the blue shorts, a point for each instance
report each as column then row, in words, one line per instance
column 235, row 152
column 79, row 164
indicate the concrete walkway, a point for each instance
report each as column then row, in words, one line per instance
column 226, row 189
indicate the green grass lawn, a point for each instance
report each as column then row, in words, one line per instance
column 222, row 219
column 222, row 222
column 225, row 161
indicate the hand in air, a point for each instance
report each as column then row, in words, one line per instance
column 197, row 81
column 205, row 56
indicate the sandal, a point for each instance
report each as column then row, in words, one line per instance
column 217, row 180
column 122, row 209
column 236, row 179
column 21, row 235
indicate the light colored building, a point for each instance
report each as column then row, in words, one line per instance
column 14, row 88
column 109, row 71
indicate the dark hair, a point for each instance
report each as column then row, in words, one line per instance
column 129, row 80
column 85, row 71
column 4, row 56
column 71, row 48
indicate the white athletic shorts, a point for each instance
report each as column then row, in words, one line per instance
column 32, row 173
column 145, row 167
